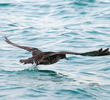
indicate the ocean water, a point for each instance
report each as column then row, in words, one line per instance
column 55, row 25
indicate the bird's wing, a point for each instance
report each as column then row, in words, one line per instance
column 60, row 53
column 99, row 52
column 30, row 49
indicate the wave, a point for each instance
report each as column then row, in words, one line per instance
column 6, row 4
column 32, row 70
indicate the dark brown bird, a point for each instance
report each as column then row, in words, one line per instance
column 45, row 58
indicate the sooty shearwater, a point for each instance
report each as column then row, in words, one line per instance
column 45, row 58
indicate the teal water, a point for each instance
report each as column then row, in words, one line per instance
column 55, row 25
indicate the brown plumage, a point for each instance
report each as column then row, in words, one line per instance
column 45, row 58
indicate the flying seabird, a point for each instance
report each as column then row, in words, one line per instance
column 45, row 58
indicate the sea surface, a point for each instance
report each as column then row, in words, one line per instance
column 55, row 25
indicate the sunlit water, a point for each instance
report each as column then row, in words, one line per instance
column 55, row 25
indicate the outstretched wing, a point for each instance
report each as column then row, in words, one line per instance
column 99, row 52
column 30, row 49
column 61, row 53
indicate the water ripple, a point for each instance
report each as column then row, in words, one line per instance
column 7, row 5
column 73, row 25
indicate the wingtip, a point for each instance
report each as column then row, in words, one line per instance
column 106, row 50
column 5, row 38
column 100, row 50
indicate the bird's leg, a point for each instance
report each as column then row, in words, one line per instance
column 27, row 61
